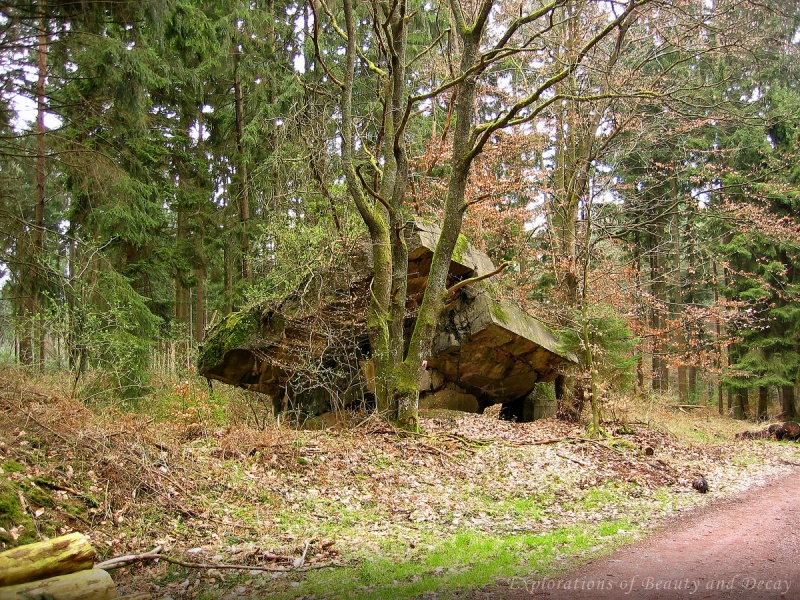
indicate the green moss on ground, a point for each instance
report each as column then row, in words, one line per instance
column 13, row 515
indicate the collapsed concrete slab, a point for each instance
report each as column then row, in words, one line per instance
column 310, row 351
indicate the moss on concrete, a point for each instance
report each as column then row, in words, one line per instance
column 235, row 331
column 461, row 246
column 499, row 312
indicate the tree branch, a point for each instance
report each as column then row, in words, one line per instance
column 453, row 289
column 121, row 562
column 317, row 53
column 372, row 192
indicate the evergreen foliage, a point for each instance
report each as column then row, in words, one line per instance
column 643, row 181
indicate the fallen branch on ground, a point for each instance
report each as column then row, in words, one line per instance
column 130, row 559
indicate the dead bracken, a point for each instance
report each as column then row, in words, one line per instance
column 237, row 494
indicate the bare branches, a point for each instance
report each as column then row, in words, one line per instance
column 429, row 47
column 372, row 192
column 317, row 53
column 511, row 115
column 370, row 216
column 454, row 288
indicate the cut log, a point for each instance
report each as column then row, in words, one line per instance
column 789, row 431
column 59, row 556
column 94, row 584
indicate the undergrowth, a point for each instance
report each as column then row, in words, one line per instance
column 375, row 511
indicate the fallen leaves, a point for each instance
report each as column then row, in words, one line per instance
column 279, row 498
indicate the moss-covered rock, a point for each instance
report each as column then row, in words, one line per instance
column 236, row 330
column 461, row 246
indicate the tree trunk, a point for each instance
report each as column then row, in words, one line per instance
column 676, row 300
column 683, row 384
column 40, row 560
column 200, row 304
column 433, row 300
column 660, row 372
column 763, row 400
column 741, row 407
column 243, row 195
column 30, row 335
column 637, row 269
column 181, row 288
column 38, row 224
column 787, row 402
column 722, row 355
column 24, row 318
column 228, row 268
column 94, row 584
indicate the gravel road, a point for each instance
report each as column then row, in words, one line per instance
column 745, row 547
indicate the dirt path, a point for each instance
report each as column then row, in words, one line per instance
column 747, row 547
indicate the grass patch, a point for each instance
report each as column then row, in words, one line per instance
column 467, row 560
column 604, row 494
column 700, row 426
column 13, row 466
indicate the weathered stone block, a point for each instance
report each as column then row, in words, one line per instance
column 492, row 349
column 450, row 400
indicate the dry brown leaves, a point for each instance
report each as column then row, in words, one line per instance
column 260, row 497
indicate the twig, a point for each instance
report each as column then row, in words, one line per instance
column 299, row 562
column 472, row 280
column 278, row 557
column 469, row 443
column 435, row 449
column 372, row 192
column 130, row 559
column 29, row 416
column 603, row 446
column 550, row 441
column 22, row 502
column 575, row 460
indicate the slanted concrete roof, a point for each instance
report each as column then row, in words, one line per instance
column 491, row 348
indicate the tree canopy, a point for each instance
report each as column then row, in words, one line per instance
column 631, row 165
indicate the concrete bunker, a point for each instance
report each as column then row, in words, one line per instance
column 309, row 352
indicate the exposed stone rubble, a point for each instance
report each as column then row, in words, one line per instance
column 310, row 351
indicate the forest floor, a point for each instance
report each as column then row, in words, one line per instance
column 362, row 511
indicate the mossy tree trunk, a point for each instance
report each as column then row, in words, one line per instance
column 92, row 584
column 40, row 560
column 382, row 204
column 398, row 369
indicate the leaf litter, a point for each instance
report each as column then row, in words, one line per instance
column 272, row 497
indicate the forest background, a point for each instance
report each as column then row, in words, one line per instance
column 633, row 165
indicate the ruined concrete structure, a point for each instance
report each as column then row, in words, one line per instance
column 310, row 351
